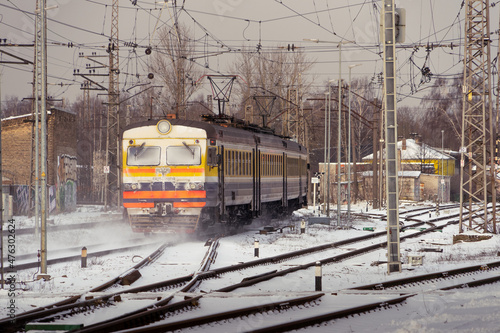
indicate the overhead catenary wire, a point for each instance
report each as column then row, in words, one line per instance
column 210, row 40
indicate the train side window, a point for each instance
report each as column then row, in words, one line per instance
column 271, row 164
column 247, row 164
column 265, row 165
column 212, row 156
column 232, row 163
column 226, row 169
column 268, row 165
column 238, row 163
column 143, row 155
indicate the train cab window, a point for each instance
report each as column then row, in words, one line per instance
column 184, row 155
column 143, row 155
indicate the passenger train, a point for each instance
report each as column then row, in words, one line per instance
column 186, row 176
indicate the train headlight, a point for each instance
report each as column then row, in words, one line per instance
column 131, row 186
column 164, row 127
column 193, row 186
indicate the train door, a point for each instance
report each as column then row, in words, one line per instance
column 220, row 182
column 256, row 202
column 285, row 185
column 300, row 168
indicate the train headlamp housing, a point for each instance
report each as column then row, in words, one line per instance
column 164, row 127
column 194, row 186
column 131, row 186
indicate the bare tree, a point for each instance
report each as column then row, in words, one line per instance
column 407, row 121
column 442, row 111
column 363, row 106
column 271, row 74
column 12, row 106
column 173, row 68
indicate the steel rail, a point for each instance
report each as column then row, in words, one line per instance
column 9, row 325
column 427, row 277
column 297, row 324
column 156, row 311
column 53, row 261
column 182, row 324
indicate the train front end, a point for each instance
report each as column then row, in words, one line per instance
column 163, row 176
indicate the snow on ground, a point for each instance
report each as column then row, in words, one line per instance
column 465, row 310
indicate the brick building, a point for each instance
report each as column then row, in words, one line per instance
column 61, row 158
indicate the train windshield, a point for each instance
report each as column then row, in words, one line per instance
column 142, row 155
column 184, row 155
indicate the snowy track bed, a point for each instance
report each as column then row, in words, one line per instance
column 436, row 247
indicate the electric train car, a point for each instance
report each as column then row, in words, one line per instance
column 185, row 176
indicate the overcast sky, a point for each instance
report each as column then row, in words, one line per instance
column 227, row 25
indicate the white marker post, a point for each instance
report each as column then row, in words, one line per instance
column 318, row 276
column 256, row 248
column 314, row 181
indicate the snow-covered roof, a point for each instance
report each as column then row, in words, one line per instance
column 415, row 151
column 49, row 111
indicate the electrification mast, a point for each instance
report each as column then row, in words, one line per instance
column 35, row 126
column 293, row 125
column 391, row 145
column 290, row 124
column 112, row 167
column 477, row 165
column 41, row 69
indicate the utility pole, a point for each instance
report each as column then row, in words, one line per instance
column 98, row 158
column 42, row 73
column 349, row 149
column 375, row 131
column 35, row 126
column 1, row 189
column 477, row 162
column 381, row 143
column 391, row 148
column 339, row 137
column 112, row 166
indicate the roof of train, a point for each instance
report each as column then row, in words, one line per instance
column 220, row 132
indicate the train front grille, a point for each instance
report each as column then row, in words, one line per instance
column 145, row 223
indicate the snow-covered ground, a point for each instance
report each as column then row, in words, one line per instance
column 464, row 310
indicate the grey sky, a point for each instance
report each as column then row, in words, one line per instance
column 227, row 25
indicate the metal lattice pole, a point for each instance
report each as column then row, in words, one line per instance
column 112, row 168
column 477, row 151
column 391, row 148
column 291, row 124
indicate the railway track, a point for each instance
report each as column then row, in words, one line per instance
column 170, row 305
column 463, row 277
column 313, row 309
column 76, row 257
column 35, row 264
column 74, row 302
column 97, row 298
column 185, row 292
